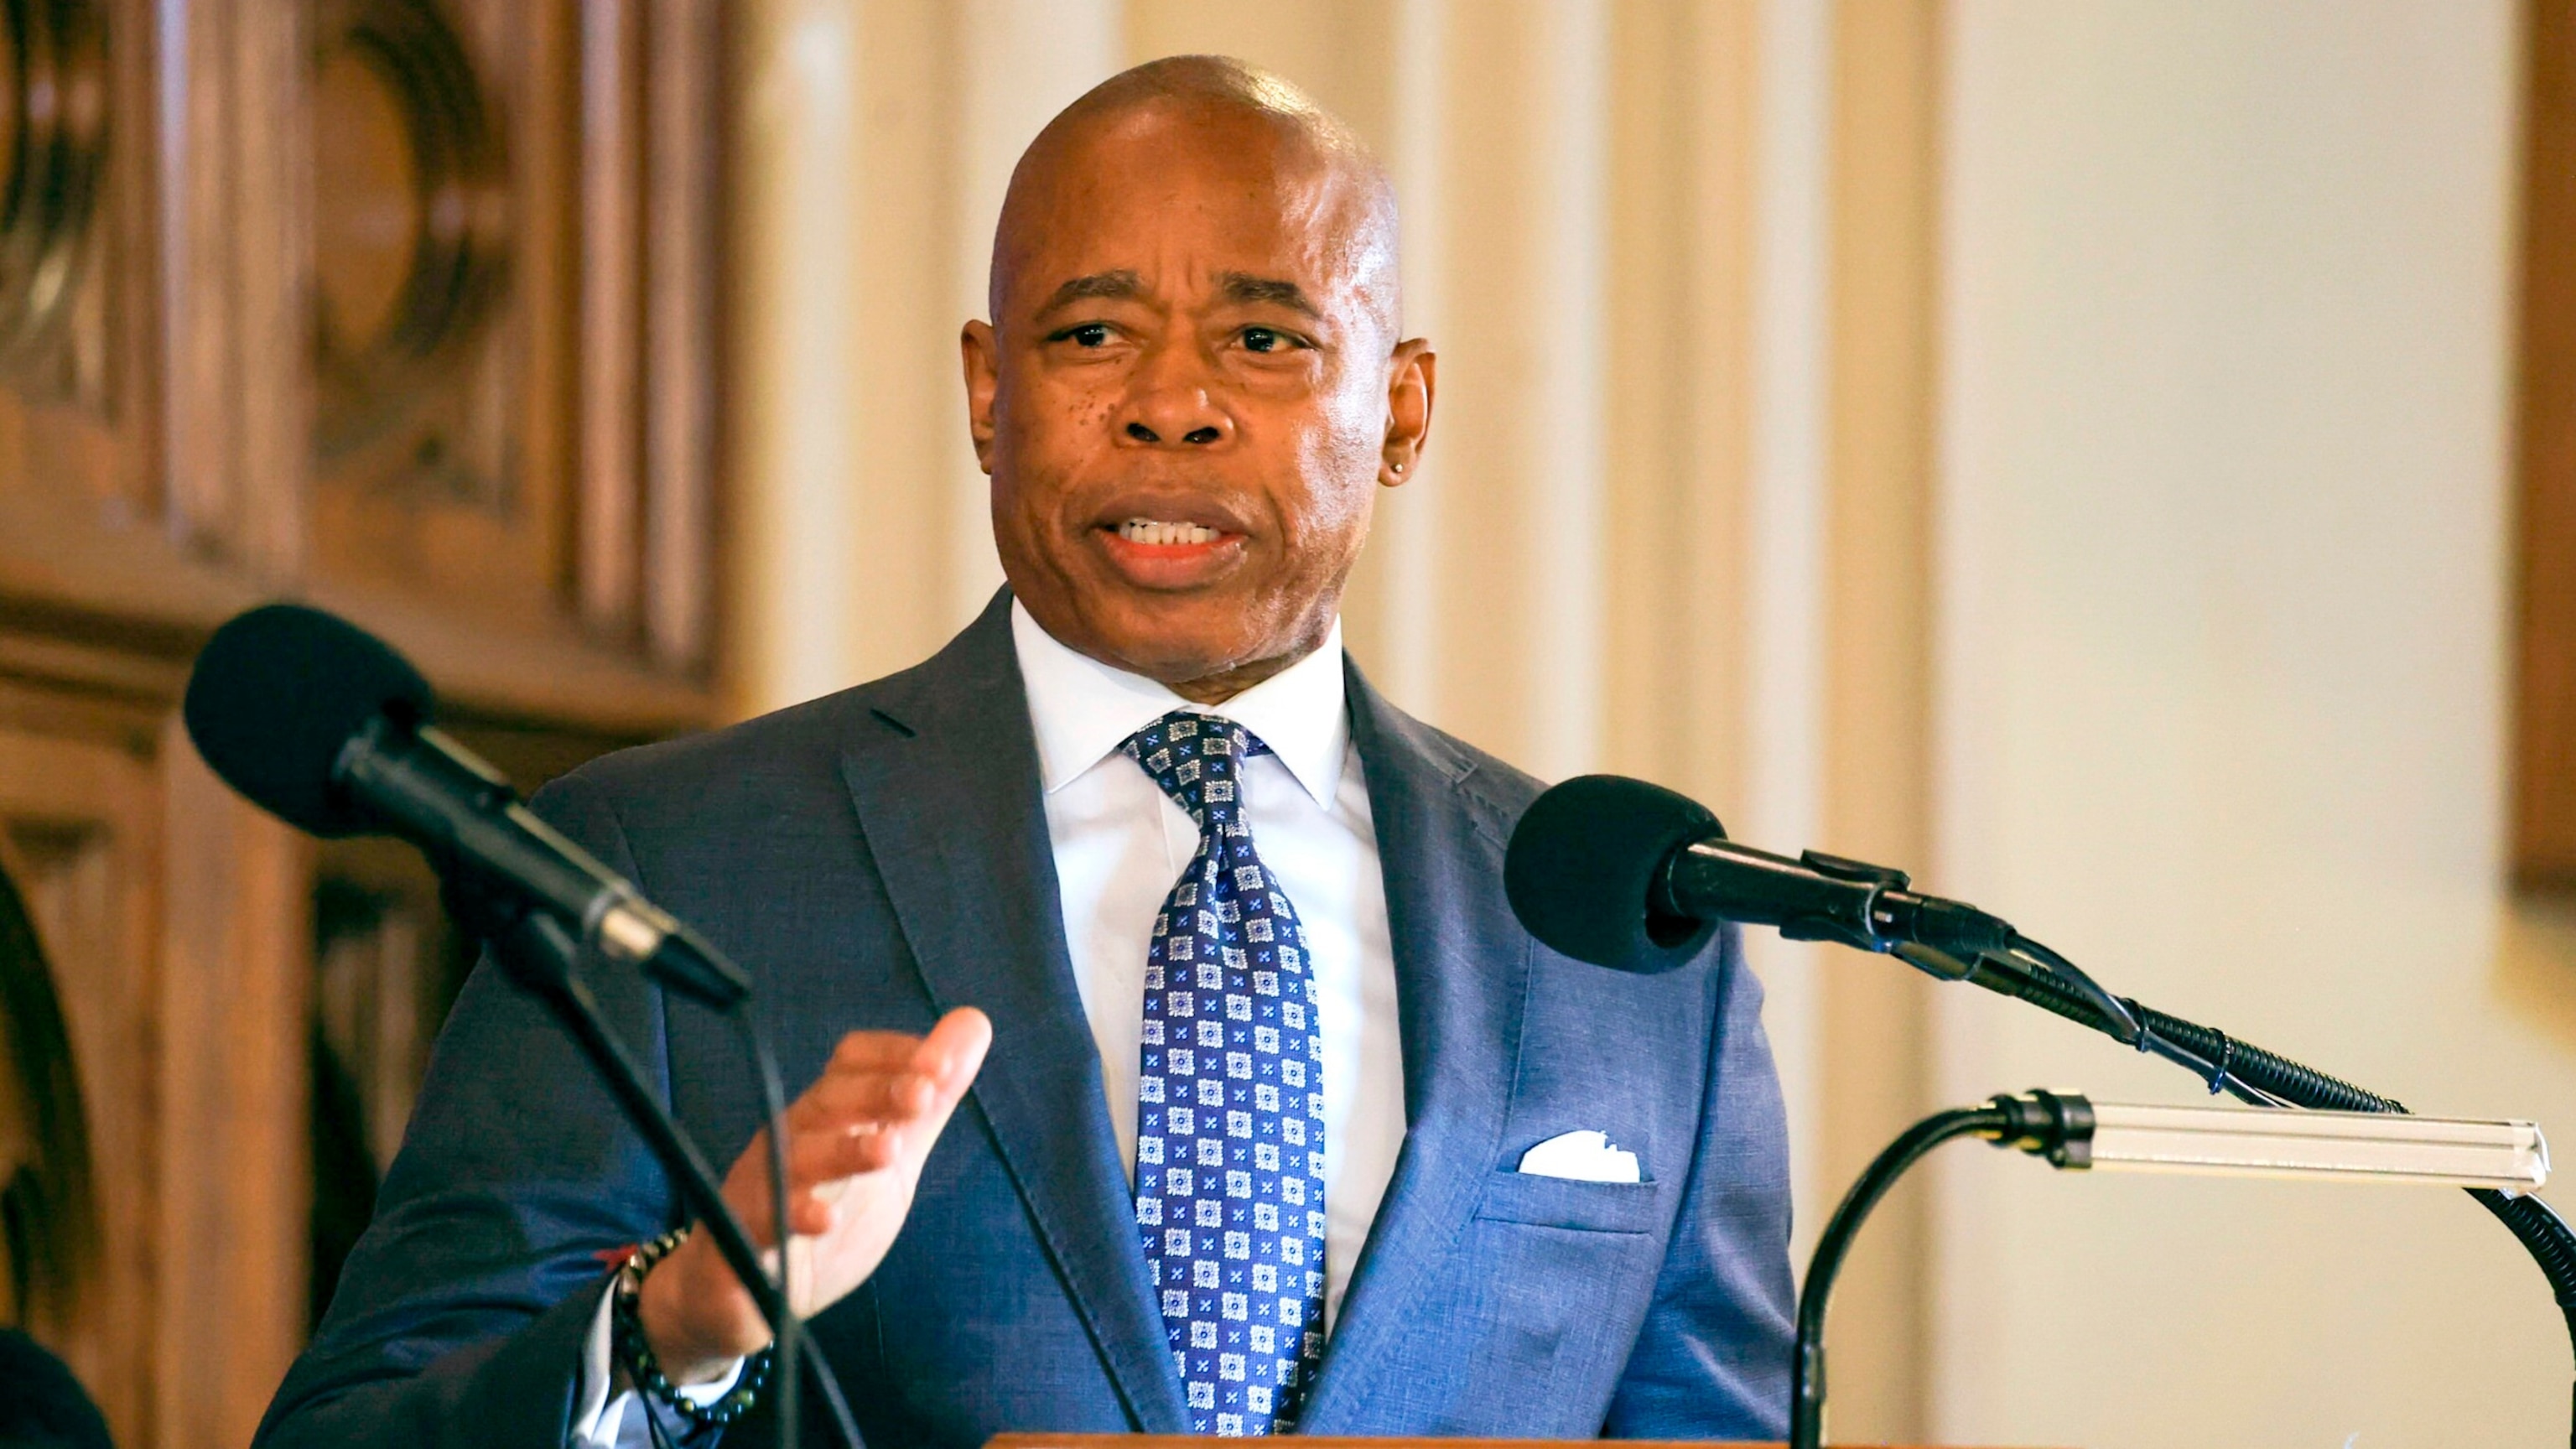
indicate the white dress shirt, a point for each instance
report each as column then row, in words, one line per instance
column 1120, row 844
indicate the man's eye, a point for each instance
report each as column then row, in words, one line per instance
column 1262, row 339
column 1089, row 334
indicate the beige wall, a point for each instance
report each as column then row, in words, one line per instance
column 1590, row 162
column 2060, row 448
column 2221, row 678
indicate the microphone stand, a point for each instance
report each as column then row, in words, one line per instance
column 2035, row 974
column 1807, row 1367
column 541, row 956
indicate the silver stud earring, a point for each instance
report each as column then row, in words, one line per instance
column 1399, row 467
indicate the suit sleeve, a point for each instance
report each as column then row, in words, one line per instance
column 1712, row 1359
column 461, row 1315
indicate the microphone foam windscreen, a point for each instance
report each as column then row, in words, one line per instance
column 1582, row 864
column 274, row 698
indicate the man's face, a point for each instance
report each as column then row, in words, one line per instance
column 1190, row 393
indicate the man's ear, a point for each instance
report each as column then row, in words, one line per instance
column 981, row 356
column 1411, row 381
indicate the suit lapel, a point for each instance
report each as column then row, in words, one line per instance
column 1462, row 970
column 948, row 801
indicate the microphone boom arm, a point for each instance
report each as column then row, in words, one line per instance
column 1820, row 897
column 2263, row 1078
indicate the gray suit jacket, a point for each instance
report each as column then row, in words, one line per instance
column 879, row 856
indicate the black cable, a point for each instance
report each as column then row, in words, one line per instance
column 2116, row 1018
column 2014, row 977
column 798, row 1353
column 1807, row 1368
column 790, row 1328
column 797, row 1350
column 543, row 958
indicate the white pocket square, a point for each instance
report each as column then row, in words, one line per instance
column 1582, row 1157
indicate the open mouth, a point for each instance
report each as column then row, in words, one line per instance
column 1167, row 553
column 1155, row 533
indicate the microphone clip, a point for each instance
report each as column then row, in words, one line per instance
column 1858, row 872
column 1844, row 930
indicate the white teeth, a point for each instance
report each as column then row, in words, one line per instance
column 1154, row 531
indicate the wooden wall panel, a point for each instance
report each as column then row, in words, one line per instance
column 321, row 332
column 82, row 822
column 234, row 1008
column 232, row 238
column 76, row 263
column 441, row 449
column 2544, row 802
column 679, row 403
column 612, row 353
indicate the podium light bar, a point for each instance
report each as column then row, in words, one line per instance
column 2348, row 1146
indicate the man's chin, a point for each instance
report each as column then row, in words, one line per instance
column 1182, row 638
column 1175, row 660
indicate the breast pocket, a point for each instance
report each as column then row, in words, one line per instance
column 1562, row 1202
column 1553, row 1277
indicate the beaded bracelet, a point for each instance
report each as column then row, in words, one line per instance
column 627, row 1326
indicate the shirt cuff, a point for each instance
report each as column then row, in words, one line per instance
column 599, row 1416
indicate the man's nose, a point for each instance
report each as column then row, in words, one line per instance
column 1170, row 402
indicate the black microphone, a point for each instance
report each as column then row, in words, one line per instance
column 1629, row 875
column 323, row 725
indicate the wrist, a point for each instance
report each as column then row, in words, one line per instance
column 635, row 1352
column 692, row 1345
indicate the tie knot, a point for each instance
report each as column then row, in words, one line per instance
column 1196, row 760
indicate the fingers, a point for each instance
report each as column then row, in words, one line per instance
column 881, row 1050
column 950, row 1056
column 954, row 1051
column 871, row 1079
column 841, row 1099
column 881, row 1083
column 818, row 1164
column 881, row 1102
column 892, row 1080
column 821, row 1157
column 809, row 1215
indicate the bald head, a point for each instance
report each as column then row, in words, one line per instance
column 1235, row 127
column 1192, row 387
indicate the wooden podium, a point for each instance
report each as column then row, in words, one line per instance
column 1196, row 1442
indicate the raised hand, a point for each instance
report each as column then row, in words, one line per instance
column 856, row 1140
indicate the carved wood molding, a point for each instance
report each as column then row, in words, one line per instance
column 95, row 609
column 413, row 212
column 55, row 121
column 448, row 470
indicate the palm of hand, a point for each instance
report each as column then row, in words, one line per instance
column 868, row 1211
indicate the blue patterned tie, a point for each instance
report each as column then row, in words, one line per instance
column 1230, row 1116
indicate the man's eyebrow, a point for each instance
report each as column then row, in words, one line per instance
column 1244, row 287
column 1115, row 285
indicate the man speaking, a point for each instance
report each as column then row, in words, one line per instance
column 1175, row 1063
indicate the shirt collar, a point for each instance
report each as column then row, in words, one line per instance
column 1083, row 710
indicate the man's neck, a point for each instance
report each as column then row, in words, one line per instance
column 1218, row 688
